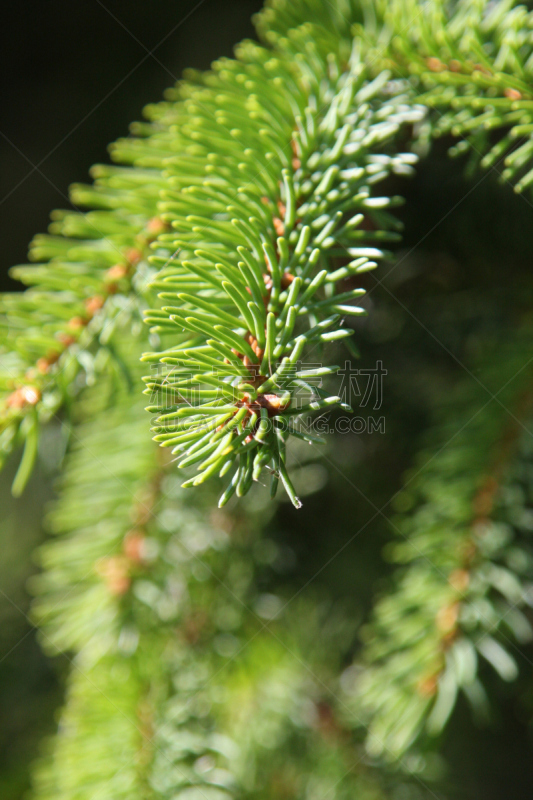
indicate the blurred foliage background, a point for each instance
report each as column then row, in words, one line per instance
column 73, row 79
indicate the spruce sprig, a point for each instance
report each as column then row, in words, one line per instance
column 89, row 283
column 471, row 64
column 254, row 270
column 464, row 560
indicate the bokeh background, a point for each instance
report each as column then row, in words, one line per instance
column 73, row 76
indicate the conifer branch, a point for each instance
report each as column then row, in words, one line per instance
column 254, row 272
column 471, row 64
column 130, row 591
column 59, row 333
column 244, row 211
column 466, row 579
column 118, row 595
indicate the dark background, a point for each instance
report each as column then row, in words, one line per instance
column 74, row 75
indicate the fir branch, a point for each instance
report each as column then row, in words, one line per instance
column 262, row 230
column 471, row 63
column 100, row 746
column 130, row 590
column 59, row 333
column 107, row 493
column 118, row 594
column 468, row 562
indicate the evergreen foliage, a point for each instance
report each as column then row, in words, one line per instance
column 471, row 65
column 240, row 220
column 464, row 523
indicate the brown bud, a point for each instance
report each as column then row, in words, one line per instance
column 134, row 255
column 256, row 348
column 66, row 340
column 114, row 570
column 53, row 356
column 76, row 323
column 155, row 226
column 43, row 365
column 134, row 546
column 435, row 64
column 286, row 280
column 446, row 618
column 513, row 94
column 94, row 304
column 459, row 580
column 116, row 272
column 273, row 402
column 23, row 396
column 279, row 227
column 427, row 687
